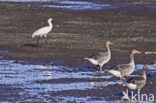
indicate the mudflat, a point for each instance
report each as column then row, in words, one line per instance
column 78, row 35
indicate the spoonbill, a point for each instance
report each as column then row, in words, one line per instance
column 42, row 32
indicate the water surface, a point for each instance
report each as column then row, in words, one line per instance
column 77, row 5
column 66, row 4
column 51, row 83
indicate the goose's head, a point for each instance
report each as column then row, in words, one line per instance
column 134, row 51
column 108, row 43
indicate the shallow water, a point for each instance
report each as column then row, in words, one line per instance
column 37, row 82
column 66, row 4
column 27, row 0
column 51, row 83
column 76, row 5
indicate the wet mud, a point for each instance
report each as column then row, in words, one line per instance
column 58, row 73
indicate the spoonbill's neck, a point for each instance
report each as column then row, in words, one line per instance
column 50, row 24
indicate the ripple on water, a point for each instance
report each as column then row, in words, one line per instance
column 26, row 0
column 103, row 84
column 3, row 51
column 79, row 5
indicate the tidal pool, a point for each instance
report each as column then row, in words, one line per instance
column 22, row 82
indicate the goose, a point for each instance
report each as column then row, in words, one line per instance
column 124, row 69
column 102, row 58
column 42, row 32
column 138, row 82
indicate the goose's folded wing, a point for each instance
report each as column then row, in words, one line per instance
column 102, row 55
column 121, row 67
column 99, row 56
column 93, row 57
column 136, row 80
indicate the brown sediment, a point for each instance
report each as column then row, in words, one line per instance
column 80, row 33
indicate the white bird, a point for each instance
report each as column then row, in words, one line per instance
column 42, row 32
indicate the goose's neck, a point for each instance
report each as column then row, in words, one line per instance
column 144, row 74
column 132, row 59
column 108, row 49
column 50, row 24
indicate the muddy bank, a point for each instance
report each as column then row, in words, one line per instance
column 80, row 33
column 59, row 73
